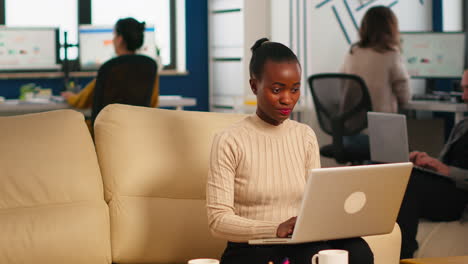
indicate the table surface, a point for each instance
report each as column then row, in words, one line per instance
column 429, row 105
column 445, row 260
column 16, row 107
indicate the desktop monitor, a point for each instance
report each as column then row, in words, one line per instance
column 434, row 54
column 96, row 45
column 29, row 48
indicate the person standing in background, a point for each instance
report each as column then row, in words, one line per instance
column 377, row 60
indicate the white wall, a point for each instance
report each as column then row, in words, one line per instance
column 452, row 15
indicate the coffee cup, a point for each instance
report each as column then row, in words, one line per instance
column 203, row 261
column 331, row 256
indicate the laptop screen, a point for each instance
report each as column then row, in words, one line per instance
column 388, row 137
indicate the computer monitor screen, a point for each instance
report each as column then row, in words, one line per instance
column 431, row 54
column 28, row 49
column 96, row 45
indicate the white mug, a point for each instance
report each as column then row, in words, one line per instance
column 203, row 261
column 331, row 256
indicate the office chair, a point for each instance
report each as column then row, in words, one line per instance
column 127, row 79
column 341, row 103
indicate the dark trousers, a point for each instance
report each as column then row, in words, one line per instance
column 243, row 253
column 427, row 196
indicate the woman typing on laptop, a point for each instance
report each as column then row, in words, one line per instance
column 258, row 169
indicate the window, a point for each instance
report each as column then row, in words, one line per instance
column 168, row 21
column 155, row 13
column 47, row 13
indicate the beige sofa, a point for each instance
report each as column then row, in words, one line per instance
column 136, row 197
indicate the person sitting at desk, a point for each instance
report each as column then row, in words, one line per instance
column 128, row 37
column 432, row 196
column 377, row 60
column 259, row 165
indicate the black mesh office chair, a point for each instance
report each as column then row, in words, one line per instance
column 127, row 79
column 341, row 102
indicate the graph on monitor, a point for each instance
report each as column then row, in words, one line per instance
column 434, row 55
column 96, row 47
column 28, row 48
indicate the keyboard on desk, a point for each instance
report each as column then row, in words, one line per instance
column 429, row 97
column 451, row 97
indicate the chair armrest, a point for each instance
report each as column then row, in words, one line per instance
column 386, row 248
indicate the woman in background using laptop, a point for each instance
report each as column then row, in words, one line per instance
column 259, row 166
column 128, row 37
column 377, row 60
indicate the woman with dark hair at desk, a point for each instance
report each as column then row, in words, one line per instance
column 258, row 169
column 128, row 37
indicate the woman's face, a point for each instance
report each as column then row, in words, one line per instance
column 117, row 41
column 278, row 90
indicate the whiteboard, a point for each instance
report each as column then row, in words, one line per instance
column 431, row 54
column 28, row 48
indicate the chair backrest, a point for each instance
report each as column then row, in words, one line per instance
column 127, row 79
column 341, row 102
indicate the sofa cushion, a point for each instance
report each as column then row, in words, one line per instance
column 154, row 164
column 52, row 207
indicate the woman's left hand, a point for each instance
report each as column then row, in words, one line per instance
column 286, row 228
column 67, row 95
column 433, row 164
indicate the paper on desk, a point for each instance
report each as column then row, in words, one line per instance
column 170, row 97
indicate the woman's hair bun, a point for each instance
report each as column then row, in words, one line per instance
column 142, row 26
column 258, row 43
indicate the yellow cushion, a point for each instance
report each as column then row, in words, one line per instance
column 444, row 260
column 154, row 164
column 52, row 207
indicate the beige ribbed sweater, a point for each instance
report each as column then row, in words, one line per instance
column 257, row 176
column 385, row 75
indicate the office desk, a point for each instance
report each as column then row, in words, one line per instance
column 178, row 102
column 14, row 107
column 459, row 109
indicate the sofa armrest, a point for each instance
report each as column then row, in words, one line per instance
column 386, row 248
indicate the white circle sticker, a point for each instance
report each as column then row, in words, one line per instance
column 355, row 202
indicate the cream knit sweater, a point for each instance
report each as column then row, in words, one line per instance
column 384, row 74
column 257, row 176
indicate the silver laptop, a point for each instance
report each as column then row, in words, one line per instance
column 388, row 139
column 346, row 202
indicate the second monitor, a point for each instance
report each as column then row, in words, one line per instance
column 434, row 54
column 96, row 45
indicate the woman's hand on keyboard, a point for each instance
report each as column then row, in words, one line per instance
column 286, row 228
column 432, row 164
column 415, row 155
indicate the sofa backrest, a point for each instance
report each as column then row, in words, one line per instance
column 52, row 207
column 154, row 164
